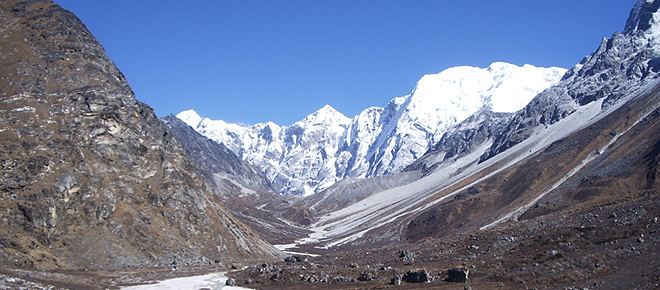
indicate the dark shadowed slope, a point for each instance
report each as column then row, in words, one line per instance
column 242, row 187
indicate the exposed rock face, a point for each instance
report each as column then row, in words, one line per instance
column 621, row 65
column 463, row 138
column 90, row 177
column 216, row 159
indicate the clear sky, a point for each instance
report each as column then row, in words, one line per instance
column 247, row 61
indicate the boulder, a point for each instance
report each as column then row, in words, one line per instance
column 230, row 282
column 397, row 279
column 417, row 276
column 366, row 277
column 459, row 274
column 293, row 259
column 408, row 257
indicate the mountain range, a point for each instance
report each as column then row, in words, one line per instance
column 499, row 177
column 486, row 144
column 561, row 193
column 326, row 146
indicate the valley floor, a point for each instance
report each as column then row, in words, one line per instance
column 609, row 243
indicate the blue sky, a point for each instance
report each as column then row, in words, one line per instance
column 248, row 61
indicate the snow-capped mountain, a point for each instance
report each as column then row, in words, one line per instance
column 297, row 159
column 590, row 140
column 621, row 65
column 326, row 146
column 386, row 140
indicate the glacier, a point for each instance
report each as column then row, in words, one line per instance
column 326, row 146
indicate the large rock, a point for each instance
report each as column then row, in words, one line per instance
column 397, row 279
column 407, row 257
column 417, row 276
column 459, row 274
column 366, row 276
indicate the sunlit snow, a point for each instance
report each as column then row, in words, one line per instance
column 214, row 281
column 326, row 146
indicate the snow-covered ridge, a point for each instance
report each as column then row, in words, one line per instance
column 644, row 17
column 327, row 146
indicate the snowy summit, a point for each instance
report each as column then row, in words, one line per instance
column 326, row 146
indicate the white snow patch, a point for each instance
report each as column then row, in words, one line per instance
column 212, row 281
column 25, row 109
column 285, row 248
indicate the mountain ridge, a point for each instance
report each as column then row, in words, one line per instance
column 379, row 140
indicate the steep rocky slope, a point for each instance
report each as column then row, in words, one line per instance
column 218, row 163
column 327, row 147
column 242, row 188
column 90, row 177
column 619, row 66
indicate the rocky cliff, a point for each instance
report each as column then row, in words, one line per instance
column 90, row 177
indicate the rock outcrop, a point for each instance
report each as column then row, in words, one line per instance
column 417, row 276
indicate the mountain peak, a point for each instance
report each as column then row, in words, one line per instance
column 498, row 66
column 645, row 17
column 190, row 117
column 327, row 109
column 327, row 114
